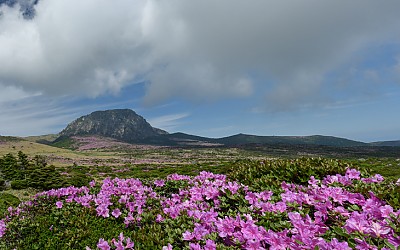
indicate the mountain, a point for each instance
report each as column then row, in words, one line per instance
column 5, row 139
column 127, row 126
column 386, row 143
column 44, row 139
column 243, row 139
column 121, row 124
column 290, row 140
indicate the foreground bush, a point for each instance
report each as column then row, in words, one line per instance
column 7, row 200
column 207, row 212
column 269, row 174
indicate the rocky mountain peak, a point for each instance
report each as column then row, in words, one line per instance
column 121, row 124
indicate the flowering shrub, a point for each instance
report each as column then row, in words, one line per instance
column 208, row 211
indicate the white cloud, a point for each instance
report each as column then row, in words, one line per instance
column 31, row 114
column 24, row 114
column 11, row 93
column 168, row 122
column 191, row 49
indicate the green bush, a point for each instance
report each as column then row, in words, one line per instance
column 78, row 180
column 7, row 200
column 19, row 184
column 269, row 174
column 2, row 184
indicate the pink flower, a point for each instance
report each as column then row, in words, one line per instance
column 395, row 241
column 187, row 236
column 386, row 211
column 377, row 178
column 250, row 231
column 159, row 218
column 2, row 228
column 103, row 245
column 119, row 244
column 210, row 245
column 129, row 244
column 92, row 183
column 278, row 241
column 211, row 193
column 226, row 227
column 266, row 195
column 363, row 245
column 116, row 213
column 378, row 230
column 253, row 245
column 194, row 246
column 169, row 247
column 353, row 174
column 159, row 183
column 313, row 181
column 251, row 198
column 59, row 204
column 199, row 231
column 103, row 211
column 234, row 187
column 280, row 207
column 335, row 244
column 342, row 211
column 356, row 222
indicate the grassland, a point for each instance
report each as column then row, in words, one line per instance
column 54, row 225
column 97, row 158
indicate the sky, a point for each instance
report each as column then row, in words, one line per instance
column 205, row 67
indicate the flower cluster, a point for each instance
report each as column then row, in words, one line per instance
column 121, row 243
column 2, row 228
column 322, row 215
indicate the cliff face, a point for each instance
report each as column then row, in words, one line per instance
column 121, row 124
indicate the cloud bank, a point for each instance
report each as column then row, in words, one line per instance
column 196, row 50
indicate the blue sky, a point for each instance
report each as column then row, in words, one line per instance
column 210, row 68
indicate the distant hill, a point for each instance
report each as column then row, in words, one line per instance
column 4, row 139
column 121, row 124
column 386, row 143
column 291, row 140
column 44, row 139
column 242, row 139
column 182, row 139
column 127, row 126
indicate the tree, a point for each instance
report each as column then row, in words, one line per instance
column 9, row 167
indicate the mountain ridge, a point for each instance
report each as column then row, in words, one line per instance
column 127, row 126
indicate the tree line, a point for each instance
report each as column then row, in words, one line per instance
column 20, row 172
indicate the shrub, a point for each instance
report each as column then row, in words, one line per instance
column 269, row 174
column 19, row 184
column 7, row 200
column 2, row 184
column 207, row 211
column 78, row 180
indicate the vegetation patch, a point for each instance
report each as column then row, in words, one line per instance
column 330, row 205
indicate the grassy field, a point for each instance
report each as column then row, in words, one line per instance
column 144, row 161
